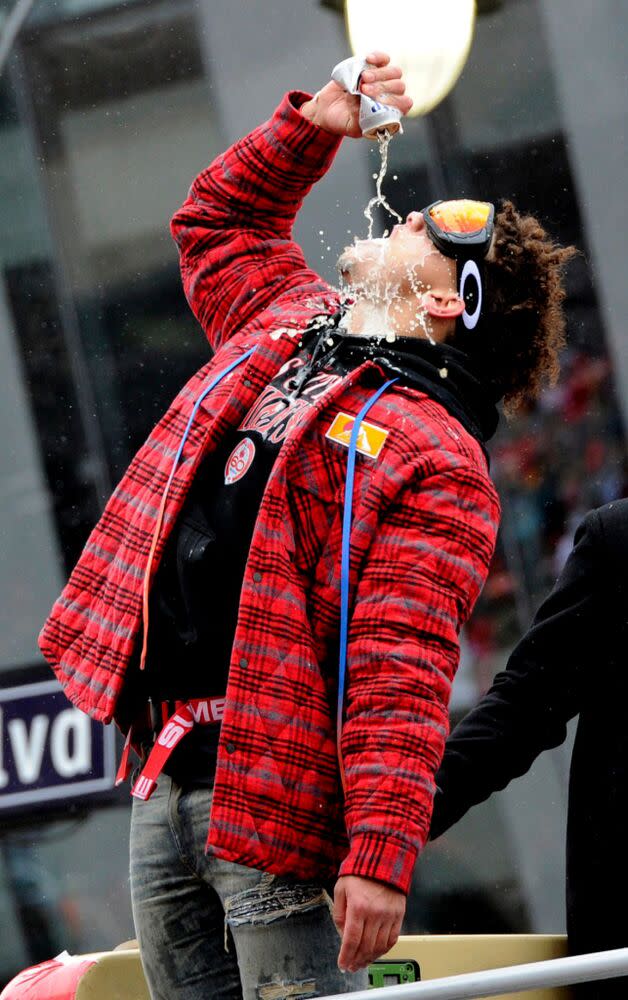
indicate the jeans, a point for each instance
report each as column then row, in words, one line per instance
column 214, row 929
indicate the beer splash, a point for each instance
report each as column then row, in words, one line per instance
column 383, row 141
column 371, row 303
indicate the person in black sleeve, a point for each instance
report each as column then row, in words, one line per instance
column 571, row 662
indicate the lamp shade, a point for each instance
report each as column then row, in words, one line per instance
column 428, row 39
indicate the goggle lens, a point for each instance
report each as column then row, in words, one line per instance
column 462, row 216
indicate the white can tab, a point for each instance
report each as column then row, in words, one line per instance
column 374, row 117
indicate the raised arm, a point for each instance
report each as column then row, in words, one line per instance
column 234, row 231
column 530, row 703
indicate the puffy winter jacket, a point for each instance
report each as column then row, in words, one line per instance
column 425, row 516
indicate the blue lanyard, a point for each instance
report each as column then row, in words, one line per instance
column 345, row 557
column 162, row 506
column 212, row 385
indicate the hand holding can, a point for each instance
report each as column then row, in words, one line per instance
column 373, row 117
column 365, row 96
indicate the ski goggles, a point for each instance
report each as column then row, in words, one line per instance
column 460, row 229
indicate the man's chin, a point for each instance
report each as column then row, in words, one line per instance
column 364, row 256
column 345, row 261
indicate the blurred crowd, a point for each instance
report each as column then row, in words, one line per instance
column 551, row 466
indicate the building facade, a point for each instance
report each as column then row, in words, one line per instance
column 107, row 112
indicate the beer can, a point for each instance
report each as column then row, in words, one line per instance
column 373, row 116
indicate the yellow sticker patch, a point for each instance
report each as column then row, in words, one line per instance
column 370, row 437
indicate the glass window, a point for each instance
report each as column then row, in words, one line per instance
column 105, row 118
column 122, row 95
column 66, row 886
column 31, row 562
column 14, row 950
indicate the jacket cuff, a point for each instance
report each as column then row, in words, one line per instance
column 310, row 146
column 379, row 857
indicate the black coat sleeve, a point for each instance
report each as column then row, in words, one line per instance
column 529, row 704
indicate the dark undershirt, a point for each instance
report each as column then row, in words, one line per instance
column 196, row 593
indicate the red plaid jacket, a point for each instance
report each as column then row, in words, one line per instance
column 424, row 525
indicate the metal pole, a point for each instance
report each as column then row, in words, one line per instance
column 12, row 28
column 513, row 979
column 77, row 359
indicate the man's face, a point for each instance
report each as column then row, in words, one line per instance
column 402, row 265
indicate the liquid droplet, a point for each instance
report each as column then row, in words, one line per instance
column 383, row 141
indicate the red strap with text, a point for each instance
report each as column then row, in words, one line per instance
column 187, row 714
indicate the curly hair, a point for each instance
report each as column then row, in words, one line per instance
column 523, row 327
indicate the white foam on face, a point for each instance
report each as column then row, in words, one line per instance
column 378, row 295
column 372, row 296
column 420, row 320
column 374, row 320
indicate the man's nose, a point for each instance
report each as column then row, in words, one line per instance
column 415, row 221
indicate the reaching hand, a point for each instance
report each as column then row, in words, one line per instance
column 368, row 916
column 337, row 111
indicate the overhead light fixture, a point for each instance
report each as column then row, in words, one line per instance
column 428, row 39
column 488, row 6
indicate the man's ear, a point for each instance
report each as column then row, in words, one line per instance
column 443, row 303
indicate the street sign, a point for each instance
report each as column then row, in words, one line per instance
column 49, row 750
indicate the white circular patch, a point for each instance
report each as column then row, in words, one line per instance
column 239, row 461
column 470, row 320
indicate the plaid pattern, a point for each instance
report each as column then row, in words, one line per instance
column 424, row 525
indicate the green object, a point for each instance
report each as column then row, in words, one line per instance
column 393, row 973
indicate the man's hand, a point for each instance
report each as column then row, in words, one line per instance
column 337, row 111
column 368, row 916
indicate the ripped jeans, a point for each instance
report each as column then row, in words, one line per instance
column 214, row 929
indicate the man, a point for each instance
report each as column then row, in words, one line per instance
column 571, row 662
column 285, row 574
